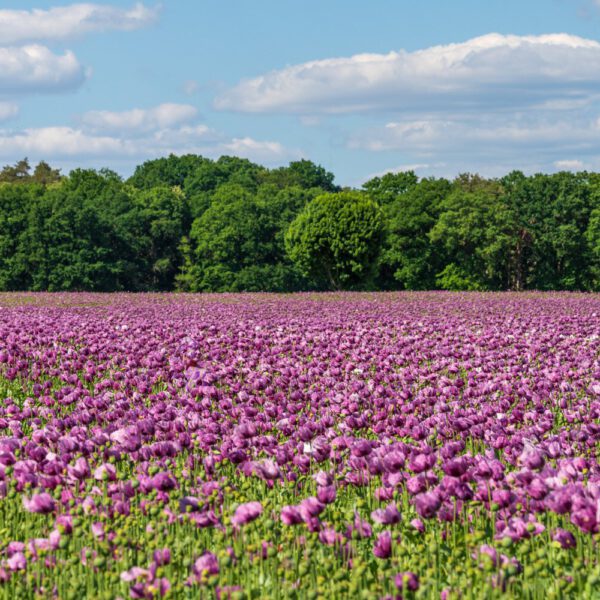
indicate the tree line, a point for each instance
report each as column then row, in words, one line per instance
column 189, row 223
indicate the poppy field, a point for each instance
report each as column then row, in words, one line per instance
column 405, row 445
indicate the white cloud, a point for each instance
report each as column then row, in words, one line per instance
column 85, row 144
column 402, row 169
column 140, row 120
column 63, row 22
column 8, row 110
column 257, row 150
column 492, row 146
column 35, row 68
column 51, row 142
column 569, row 165
column 190, row 87
column 491, row 71
column 429, row 137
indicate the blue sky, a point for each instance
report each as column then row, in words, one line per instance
column 360, row 87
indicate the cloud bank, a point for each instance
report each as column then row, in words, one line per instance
column 491, row 103
column 145, row 133
column 492, row 71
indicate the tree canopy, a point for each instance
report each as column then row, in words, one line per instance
column 196, row 224
column 336, row 239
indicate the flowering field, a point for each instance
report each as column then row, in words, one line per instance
column 312, row 446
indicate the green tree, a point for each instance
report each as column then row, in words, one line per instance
column 336, row 239
column 386, row 189
column 236, row 245
column 78, row 235
column 16, row 202
column 203, row 182
column 474, row 231
column 302, row 173
column 45, row 174
column 593, row 239
column 160, row 218
column 18, row 173
column 551, row 215
column 409, row 258
column 170, row 171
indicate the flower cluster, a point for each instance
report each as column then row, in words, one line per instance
column 389, row 445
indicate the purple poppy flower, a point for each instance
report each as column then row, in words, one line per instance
column 361, row 448
column 267, row 469
column 559, row 501
column 383, row 545
column 65, row 524
column 565, row 538
column 330, row 536
column 393, row 461
column 421, row 462
column 290, row 515
column 490, row 552
column 326, row 494
column 163, row 482
column 362, row 527
column 323, row 479
column 418, row 525
column 136, row 574
column 207, row 564
column 532, row 458
column 311, row 507
column 104, row 472
column 80, row 470
column 388, row 515
column 246, row 513
column 416, row 485
column 162, row 557
column 384, row 494
column 407, row 581
column 502, row 498
column 40, row 503
column 456, row 467
column 584, row 518
column 128, row 438
column 14, row 547
column 98, row 531
column 17, row 562
column 427, row 504
column 189, row 504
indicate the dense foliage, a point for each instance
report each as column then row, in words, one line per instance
column 194, row 224
column 349, row 446
column 335, row 240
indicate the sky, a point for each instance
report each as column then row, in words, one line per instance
column 361, row 87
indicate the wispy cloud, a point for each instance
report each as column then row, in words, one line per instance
column 8, row 110
column 437, row 135
column 491, row 146
column 140, row 120
column 190, row 87
column 64, row 22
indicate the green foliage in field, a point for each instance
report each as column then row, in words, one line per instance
column 196, row 224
